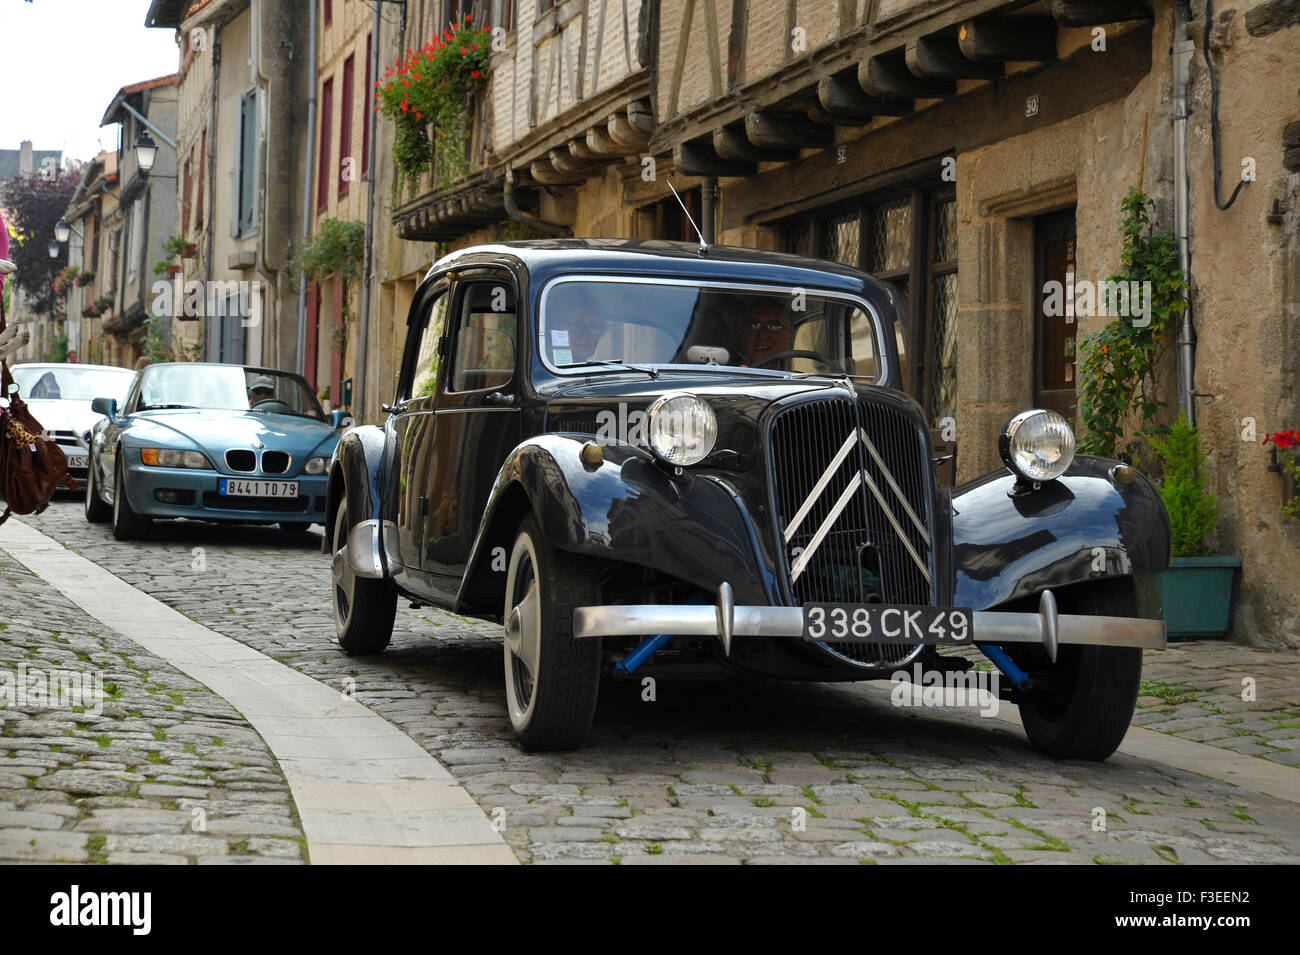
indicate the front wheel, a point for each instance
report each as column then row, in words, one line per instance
column 552, row 679
column 1089, row 696
column 364, row 607
column 97, row 512
column 127, row 524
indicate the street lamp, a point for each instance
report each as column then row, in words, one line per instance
column 61, row 230
column 54, row 250
column 146, row 151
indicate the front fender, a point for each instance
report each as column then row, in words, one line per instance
column 1083, row 526
column 627, row 509
column 357, row 466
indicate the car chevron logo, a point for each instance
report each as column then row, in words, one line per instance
column 861, row 478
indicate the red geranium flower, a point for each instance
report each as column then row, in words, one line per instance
column 464, row 52
column 474, row 73
column 1284, row 439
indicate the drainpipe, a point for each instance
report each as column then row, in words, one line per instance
column 708, row 195
column 1183, row 49
column 212, row 187
column 307, row 181
column 514, row 212
column 359, row 393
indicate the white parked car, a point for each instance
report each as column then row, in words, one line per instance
column 60, row 396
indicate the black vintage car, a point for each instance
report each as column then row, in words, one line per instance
column 644, row 453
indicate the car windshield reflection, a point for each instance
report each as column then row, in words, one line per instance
column 227, row 388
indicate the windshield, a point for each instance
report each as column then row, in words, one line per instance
column 72, row 382
column 647, row 322
column 227, row 388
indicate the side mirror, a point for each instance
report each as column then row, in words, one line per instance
column 105, row 406
column 341, row 419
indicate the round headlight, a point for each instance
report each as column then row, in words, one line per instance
column 315, row 465
column 1037, row 445
column 682, row 429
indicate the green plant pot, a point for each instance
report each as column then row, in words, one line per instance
column 1198, row 596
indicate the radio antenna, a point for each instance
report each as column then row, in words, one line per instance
column 704, row 246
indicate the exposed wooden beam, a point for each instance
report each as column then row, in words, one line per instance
column 579, row 149
column 730, row 142
column 842, row 96
column 996, row 41
column 641, row 116
column 601, row 143
column 545, row 172
column 890, row 79
column 624, row 133
column 697, row 158
column 782, row 130
column 823, row 118
column 1088, row 13
column 933, row 56
column 564, row 161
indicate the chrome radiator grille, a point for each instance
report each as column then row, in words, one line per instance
column 851, row 487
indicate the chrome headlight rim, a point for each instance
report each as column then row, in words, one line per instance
column 675, row 454
column 1016, row 434
column 176, row 458
column 322, row 465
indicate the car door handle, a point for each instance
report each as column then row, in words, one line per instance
column 396, row 407
column 499, row 398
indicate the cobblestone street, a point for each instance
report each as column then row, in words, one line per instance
column 736, row 771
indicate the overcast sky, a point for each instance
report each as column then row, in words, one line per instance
column 64, row 60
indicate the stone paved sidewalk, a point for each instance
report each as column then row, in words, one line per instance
column 166, row 772
column 740, row 771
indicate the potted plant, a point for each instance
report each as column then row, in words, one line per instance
column 182, row 247
column 1288, row 465
column 85, row 278
column 1197, row 587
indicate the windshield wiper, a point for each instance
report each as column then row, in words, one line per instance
column 161, row 407
column 652, row 372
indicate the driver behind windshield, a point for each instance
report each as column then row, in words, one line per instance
column 260, row 388
column 576, row 329
column 768, row 329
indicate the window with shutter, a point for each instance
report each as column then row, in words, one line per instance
column 347, row 162
column 247, row 185
column 367, row 92
column 323, row 167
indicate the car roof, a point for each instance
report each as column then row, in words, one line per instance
column 71, row 364
column 220, row 364
column 545, row 257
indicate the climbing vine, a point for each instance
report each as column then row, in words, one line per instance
column 1117, row 366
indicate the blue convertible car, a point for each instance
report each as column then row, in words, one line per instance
column 212, row 442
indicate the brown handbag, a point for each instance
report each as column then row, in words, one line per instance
column 31, row 468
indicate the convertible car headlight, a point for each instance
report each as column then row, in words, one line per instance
column 167, row 458
column 315, row 466
column 1037, row 445
column 682, row 428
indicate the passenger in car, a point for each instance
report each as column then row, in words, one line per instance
column 767, row 329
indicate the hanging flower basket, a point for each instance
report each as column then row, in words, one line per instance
column 428, row 95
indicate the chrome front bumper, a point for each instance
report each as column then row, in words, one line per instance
column 725, row 620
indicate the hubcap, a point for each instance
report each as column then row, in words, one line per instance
column 341, row 571
column 523, row 637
